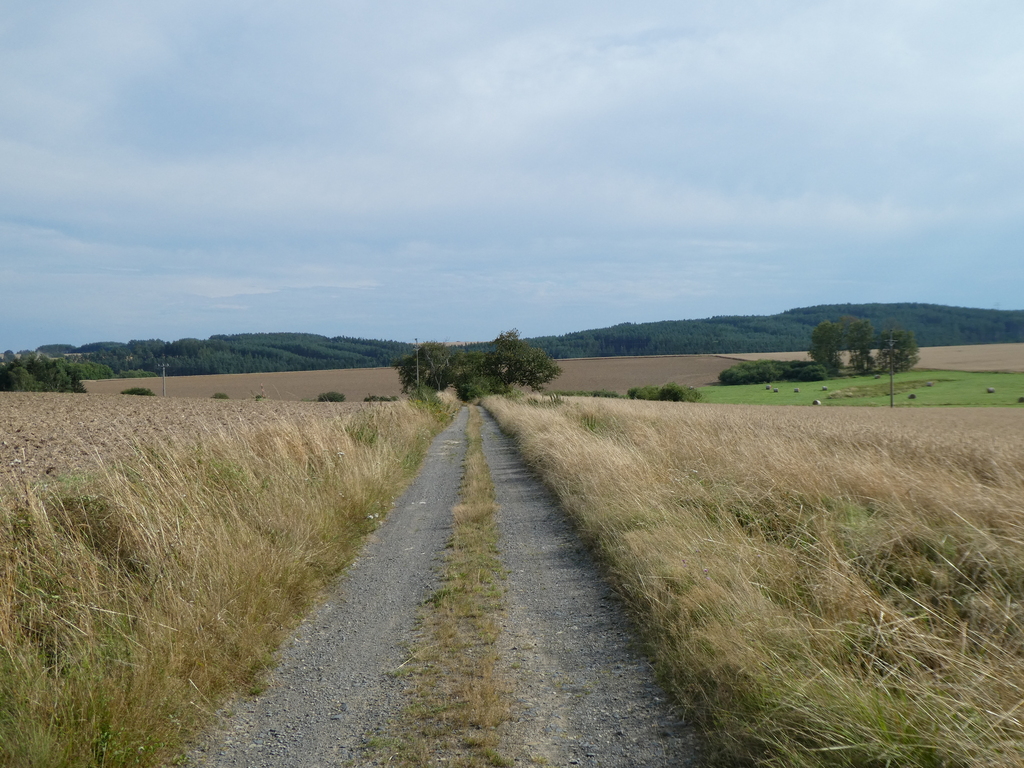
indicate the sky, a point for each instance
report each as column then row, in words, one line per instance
column 453, row 169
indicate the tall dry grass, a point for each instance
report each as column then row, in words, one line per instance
column 816, row 588
column 132, row 602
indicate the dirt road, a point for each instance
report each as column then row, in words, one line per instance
column 582, row 696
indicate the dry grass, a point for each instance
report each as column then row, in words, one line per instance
column 133, row 600
column 838, row 588
column 459, row 696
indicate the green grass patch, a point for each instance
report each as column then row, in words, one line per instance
column 949, row 388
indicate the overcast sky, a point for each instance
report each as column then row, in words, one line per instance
column 453, row 169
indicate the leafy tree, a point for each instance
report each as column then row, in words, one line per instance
column 860, row 340
column 826, row 344
column 432, row 364
column 513, row 362
column 903, row 352
column 36, row 373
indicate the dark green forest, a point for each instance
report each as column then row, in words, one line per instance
column 239, row 353
column 934, row 325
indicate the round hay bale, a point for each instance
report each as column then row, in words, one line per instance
column 991, row 390
column 824, row 388
column 796, row 389
column 930, row 384
column 816, row 402
column 878, row 375
column 767, row 386
column 1020, row 399
column 776, row 389
column 911, row 396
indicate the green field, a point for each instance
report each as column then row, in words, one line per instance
column 954, row 388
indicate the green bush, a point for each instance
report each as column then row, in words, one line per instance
column 672, row 392
column 146, row 391
column 586, row 393
column 380, row 398
column 330, row 397
column 768, row 371
column 220, row 396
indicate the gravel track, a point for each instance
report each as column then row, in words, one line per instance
column 583, row 696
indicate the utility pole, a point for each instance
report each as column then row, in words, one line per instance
column 163, row 368
column 892, row 354
column 417, row 363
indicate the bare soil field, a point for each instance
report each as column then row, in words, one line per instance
column 975, row 357
column 621, row 373
column 354, row 383
column 55, row 434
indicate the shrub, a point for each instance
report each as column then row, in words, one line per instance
column 767, row 371
column 679, row 394
column 380, row 398
column 146, row 391
column 220, row 396
column 649, row 392
column 330, row 397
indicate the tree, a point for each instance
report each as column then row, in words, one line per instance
column 432, row 364
column 826, row 344
column 904, row 349
column 860, row 340
column 513, row 362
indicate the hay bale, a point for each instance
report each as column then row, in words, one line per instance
column 911, row 396
column 991, row 390
column 816, row 402
column 776, row 389
column 824, row 388
column 796, row 389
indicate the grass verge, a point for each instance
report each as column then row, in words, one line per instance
column 132, row 602
column 817, row 587
column 459, row 698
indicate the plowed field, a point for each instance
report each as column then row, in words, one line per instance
column 55, row 434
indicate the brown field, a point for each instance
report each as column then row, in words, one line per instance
column 975, row 357
column 354, row 383
column 56, row 434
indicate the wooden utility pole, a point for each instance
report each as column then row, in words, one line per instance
column 892, row 354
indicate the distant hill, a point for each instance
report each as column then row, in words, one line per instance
column 240, row 353
column 933, row 325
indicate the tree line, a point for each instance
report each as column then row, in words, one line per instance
column 935, row 325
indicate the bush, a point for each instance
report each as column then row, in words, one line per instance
column 586, row 393
column 146, row 391
column 672, row 392
column 380, row 398
column 330, row 397
column 220, row 396
column 767, row 371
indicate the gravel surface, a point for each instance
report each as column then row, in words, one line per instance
column 583, row 697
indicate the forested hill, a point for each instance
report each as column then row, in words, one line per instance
column 241, row 353
column 933, row 325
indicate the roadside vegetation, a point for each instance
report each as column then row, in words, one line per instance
column 815, row 588
column 135, row 600
column 459, row 697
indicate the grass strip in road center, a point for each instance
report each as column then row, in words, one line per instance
column 459, row 698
